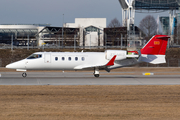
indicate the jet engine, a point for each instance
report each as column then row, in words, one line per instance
column 120, row 54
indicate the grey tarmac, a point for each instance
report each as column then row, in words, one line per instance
column 85, row 78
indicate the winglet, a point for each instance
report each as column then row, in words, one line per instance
column 111, row 62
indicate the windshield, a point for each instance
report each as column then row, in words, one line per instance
column 34, row 56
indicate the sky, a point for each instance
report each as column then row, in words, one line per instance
column 51, row 11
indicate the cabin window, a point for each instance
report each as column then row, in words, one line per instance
column 56, row 58
column 69, row 58
column 83, row 58
column 63, row 58
column 76, row 58
column 34, row 56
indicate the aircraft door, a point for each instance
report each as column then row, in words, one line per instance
column 47, row 58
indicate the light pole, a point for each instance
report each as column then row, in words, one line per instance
column 11, row 42
column 102, row 36
column 59, row 41
column 89, row 40
column 28, row 42
column 62, row 30
column 74, row 42
column 121, row 41
column 43, row 42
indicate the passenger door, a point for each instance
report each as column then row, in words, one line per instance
column 47, row 57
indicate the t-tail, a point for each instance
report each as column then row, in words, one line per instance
column 155, row 49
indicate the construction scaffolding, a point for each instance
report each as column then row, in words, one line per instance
column 53, row 36
column 156, row 5
column 130, row 6
column 20, row 37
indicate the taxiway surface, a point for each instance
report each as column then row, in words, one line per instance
column 85, row 78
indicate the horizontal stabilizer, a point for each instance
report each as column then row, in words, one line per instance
column 153, row 59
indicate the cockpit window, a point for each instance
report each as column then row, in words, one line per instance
column 34, row 56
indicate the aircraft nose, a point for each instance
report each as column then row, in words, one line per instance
column 11, row 66
column 16, row 65
column 8, row 66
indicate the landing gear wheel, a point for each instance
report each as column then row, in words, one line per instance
column 96, row 75
column 24, row 74
column 96, row 72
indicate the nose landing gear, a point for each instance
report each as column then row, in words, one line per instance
column 24, row 74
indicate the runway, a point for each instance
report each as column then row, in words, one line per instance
column 85, row 78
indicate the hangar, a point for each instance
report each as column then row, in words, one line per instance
column 20, row 33
column 35, row 34
column 84, row 33
column 58, row 36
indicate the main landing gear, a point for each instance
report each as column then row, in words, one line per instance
column 24, row 74
column 96, row 75
column 96, row 72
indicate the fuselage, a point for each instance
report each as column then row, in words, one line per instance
column 59, row 60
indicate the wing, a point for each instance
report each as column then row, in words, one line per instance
column 110, row 63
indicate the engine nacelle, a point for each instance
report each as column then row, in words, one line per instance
column 121, row 54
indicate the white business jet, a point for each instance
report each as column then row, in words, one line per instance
column 153, row 52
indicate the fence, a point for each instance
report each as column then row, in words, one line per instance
column 61, row 47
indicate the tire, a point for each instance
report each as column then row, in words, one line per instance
column 24, row 74
column 96, row 75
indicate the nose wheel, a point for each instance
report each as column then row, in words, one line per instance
column 24, row 74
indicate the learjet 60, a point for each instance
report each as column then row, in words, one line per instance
column 153, row 52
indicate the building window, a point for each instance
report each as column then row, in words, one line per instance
column 76, row 58
column 56, row 58
column 69, row 58
column 83, row 58
column 63, row 58
column 91, row 29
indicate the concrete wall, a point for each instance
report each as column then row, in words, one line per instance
column 18, row 27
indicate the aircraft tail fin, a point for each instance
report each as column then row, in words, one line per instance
column 155, row 49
